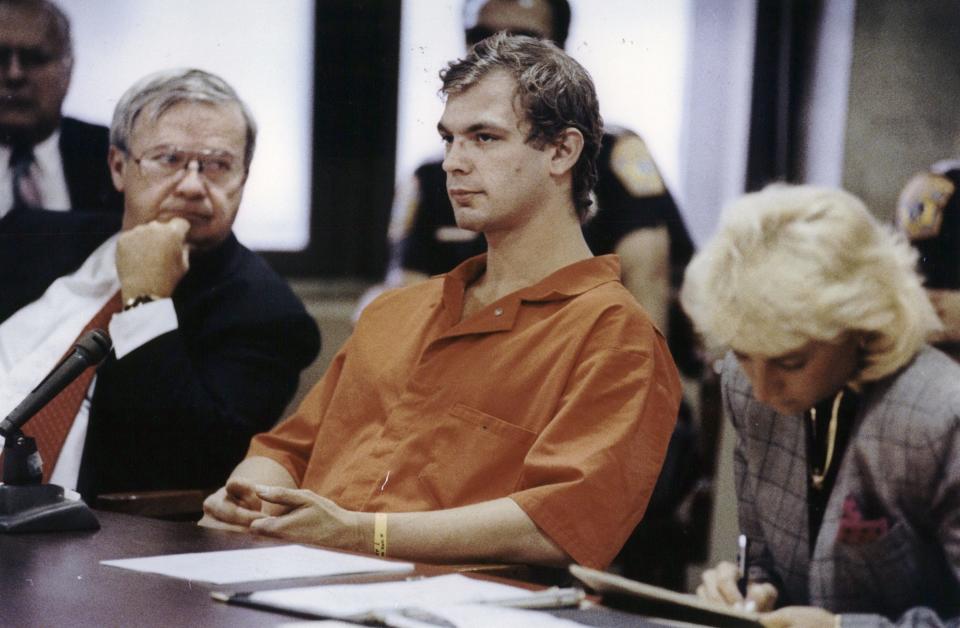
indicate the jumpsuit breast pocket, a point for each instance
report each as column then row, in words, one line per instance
column 473, row 457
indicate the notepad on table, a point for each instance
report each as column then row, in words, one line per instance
column 647, row 599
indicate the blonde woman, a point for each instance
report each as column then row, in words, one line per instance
column 847, row 459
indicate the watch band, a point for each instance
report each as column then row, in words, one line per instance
column 140, row 299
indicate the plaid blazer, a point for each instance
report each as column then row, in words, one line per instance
column 889, row 545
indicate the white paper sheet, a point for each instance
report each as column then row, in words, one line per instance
column 479, row 616
column 378, row 599
column 252, row 565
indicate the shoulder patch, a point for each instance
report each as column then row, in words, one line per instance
column 921, row 203
column 632, row 163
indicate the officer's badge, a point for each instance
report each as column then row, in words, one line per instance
column 920, row 206
column 633, row 165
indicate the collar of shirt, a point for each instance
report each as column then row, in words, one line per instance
column 47, row 170
column 500, row 315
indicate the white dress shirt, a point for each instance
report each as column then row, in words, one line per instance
column 46, row 171
column 34, row 338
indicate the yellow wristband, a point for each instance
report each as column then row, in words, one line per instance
column 380, row 533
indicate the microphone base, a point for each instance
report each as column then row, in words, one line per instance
column 42, row 508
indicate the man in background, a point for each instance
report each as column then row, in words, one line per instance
column 208, row 341
column 46, row 160
column 48, row 163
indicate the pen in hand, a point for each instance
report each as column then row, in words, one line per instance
column 742, row 570
column 742, row 565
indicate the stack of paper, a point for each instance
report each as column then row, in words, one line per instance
column 265, row 563
column 450, row 600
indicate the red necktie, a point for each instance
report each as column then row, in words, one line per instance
column 51, row 424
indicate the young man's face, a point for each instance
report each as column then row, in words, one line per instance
column 495, row 179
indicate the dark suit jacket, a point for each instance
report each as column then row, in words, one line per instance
column 179, row 411
column 83, row 149
column 900, row 466
column 37, row 246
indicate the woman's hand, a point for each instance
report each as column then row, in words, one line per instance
column 720, row 586
column 799, row 617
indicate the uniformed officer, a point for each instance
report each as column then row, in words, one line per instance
column 928, row 213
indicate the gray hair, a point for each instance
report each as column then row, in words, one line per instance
column 790, row 264
column 155, row 93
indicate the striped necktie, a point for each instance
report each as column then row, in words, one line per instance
column 52, row 423
column 26, row 192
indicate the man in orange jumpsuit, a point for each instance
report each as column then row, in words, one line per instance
column 516, row 409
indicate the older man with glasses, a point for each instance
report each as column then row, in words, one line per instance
column 208, row 341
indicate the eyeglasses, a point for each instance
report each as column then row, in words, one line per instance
column 162, row 162
column 27, row 58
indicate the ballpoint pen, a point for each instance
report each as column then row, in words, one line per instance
column 742, row 544
column 554, row 597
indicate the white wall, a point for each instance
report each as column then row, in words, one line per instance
column 263, row 49
column 716, row 119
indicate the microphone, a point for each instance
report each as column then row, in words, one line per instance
column 90, row 350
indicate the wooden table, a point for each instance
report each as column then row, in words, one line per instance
column 56, row 579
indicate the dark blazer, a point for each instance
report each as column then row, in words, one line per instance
column 83, row 149
column 37, row 246
column 179, row 411
column 899, row 477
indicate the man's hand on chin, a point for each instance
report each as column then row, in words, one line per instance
column 152, row 258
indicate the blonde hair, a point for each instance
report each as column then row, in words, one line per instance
column 791, row 264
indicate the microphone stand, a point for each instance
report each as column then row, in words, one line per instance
column 26, row 504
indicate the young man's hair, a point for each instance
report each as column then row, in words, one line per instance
column 553, row 93
column 791, row 264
